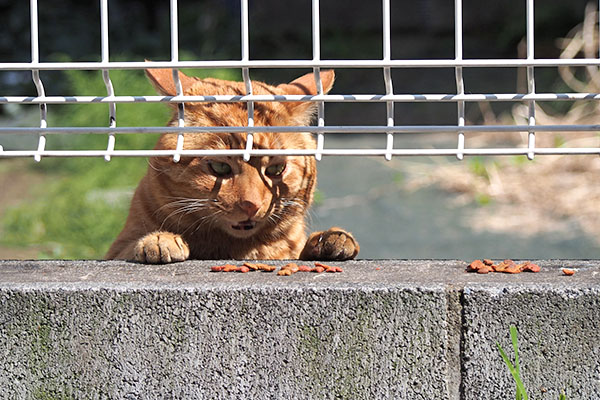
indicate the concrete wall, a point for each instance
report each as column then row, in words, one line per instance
column 381, row 329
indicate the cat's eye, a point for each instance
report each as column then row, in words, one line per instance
column 220, row 168
column 275, row 170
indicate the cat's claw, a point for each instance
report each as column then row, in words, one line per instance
column 161, row 248
column 332, row 244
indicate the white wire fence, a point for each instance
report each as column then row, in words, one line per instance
column 387, row 64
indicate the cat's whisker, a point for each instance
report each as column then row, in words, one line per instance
column 275, row 217
column 189, row 206
column 157, row 169
column 289, row 206
column 210, row 219
column 199, row 222
column 182, row 201
column 195, row 226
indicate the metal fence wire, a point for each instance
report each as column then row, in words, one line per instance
column 461, row 97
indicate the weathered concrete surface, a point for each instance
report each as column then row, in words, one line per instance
column 381, row 329
column 559, row 339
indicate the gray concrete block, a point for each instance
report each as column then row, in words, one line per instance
column 241, row 336
column 381, row 329
column 558, row 335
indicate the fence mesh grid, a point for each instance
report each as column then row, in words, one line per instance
column 461, row 97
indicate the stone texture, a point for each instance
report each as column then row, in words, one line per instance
column 128, row 334
column 381, row 329
column 559, row 338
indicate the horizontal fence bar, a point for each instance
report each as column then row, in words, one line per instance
column 331, row 98
column 307, row 129
column 299, row 152
column 442, row 63
column 316, row 64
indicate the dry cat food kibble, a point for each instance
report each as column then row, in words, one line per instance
column 292, row 268
column 328, row 268
column 260, row 266
column 531, row 267
column 480, row 267
column 568, row 271
column 229, row 268
column 304, row 268
column 506, row 266
column 286, row 270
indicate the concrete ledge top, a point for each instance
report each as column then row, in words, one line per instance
column 402, row 329
column 358, row 273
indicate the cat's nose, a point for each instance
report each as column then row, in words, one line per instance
column 249, row 208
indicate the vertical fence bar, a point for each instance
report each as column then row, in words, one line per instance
column 530, row 78
column 35, row 57
column 387, row 76
column 176, row 81
column 112, row 108
column 460, row 84
column 246, row 76
column 316, row 44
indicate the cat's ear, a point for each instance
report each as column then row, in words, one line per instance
column 162, row 80
column 302, row 111
column 306, row 85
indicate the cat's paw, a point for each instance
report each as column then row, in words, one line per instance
column 161, row 247
column 332, row 244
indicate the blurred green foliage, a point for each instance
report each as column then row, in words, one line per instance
column 82, row 203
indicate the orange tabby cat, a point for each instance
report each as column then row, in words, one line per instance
column 221, row 207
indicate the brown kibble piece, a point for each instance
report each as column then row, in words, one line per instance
column 476, row 266
column 288, row 269
column 513, row 269
column 292, row 267
column 285, row 272
column 529, row 266
column 484, row 269
column 252, row 266
column 246, row 267
column 318, row 270
column 304, row 268
column 328, row 268
column 260, row 266
column 568, row 271
column 507, row 266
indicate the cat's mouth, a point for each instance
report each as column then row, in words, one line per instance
column 244, row 225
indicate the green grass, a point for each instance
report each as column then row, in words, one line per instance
column 515, row 368
column 83, row 203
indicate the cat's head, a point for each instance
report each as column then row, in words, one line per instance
column 240, row 198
